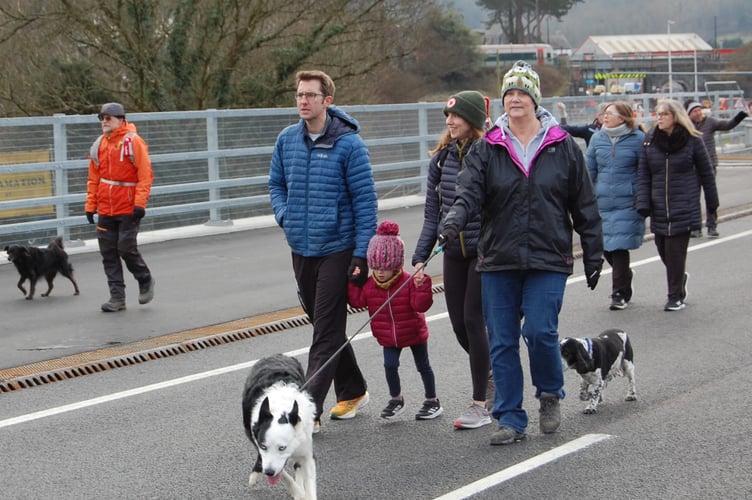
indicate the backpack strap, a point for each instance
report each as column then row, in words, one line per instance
column 126, row 149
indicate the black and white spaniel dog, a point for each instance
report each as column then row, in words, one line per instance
column 598, row 360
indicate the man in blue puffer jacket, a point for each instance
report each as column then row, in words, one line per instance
column 323, row 196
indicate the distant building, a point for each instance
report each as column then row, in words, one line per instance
column 609, row 63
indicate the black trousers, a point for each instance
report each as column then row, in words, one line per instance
column 322, row 284
column 621, row 274
column 116, row 236
column 673, row 253
column 463, row 299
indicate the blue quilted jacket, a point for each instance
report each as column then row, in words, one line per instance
column 613, row 170
column 322, row 192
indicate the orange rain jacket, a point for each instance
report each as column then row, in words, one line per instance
column 121, row 177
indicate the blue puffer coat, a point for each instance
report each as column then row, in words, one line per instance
column 441, row 184
column 613, row 170
column 322, row 192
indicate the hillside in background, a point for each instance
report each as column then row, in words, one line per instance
column 728, row 18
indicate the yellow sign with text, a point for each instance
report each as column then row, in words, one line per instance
column 22, row 185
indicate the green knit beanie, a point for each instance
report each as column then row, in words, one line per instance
column 522, row 77
column 470, row 105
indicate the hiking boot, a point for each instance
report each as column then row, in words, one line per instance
column 696, row 234
column 674, row 305
column 618, row 302
column 475, row 416
column 685, row 292
column 113, row 305
column 550, row 413
column 146, row 291
column 713, row 232
column 506, row 435
column 430, row 410
column 394, row 408
column 348, row 408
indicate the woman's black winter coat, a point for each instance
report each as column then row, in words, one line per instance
column 669, row 175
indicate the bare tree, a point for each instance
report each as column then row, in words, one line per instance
column 191, row 54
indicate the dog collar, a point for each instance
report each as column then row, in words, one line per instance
column 587, row 344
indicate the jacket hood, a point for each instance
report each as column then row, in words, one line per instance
column 125, row 128
column 340, row 122
column 551, row 127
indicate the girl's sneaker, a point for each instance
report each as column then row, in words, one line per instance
column 394, row 408
column 431, row 409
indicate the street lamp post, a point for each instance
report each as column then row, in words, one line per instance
column 670, row 78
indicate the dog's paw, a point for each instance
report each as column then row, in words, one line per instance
column 254, row 478
column 631, row 397
column 590, row 411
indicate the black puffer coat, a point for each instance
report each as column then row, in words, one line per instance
column 440, row 191
column 667, row 187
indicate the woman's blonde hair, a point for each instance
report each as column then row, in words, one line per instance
column 680, row 115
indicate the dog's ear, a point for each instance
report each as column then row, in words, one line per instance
column 264, row 412
column 294, row 415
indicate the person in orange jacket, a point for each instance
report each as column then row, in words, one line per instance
column 118, row 188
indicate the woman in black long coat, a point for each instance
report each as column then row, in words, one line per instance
column 672, row 160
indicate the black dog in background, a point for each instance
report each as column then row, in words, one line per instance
column 33, row 263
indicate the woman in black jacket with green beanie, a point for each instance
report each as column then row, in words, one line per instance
column 672, row 160
column 466, row 114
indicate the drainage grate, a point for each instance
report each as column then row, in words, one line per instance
column 78, row 365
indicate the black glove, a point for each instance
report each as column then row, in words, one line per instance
column 645, row 212
column 361, row 278
column 90, row 217
column 138, row 213
column 448, row 235
column 592, row 274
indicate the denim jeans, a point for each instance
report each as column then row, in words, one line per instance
column 523, row 303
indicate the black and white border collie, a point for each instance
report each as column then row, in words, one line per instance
column 598, row 360
column 278, row 419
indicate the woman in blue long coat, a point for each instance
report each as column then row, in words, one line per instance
column 612, row 159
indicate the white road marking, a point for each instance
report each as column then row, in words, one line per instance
column 524, row 467
column 29, row 417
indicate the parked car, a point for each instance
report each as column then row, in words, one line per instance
column 599, row 89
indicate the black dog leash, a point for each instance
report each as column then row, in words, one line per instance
column 351, row 337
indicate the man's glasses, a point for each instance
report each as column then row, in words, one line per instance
column 309, row 96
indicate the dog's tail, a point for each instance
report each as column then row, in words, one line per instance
column 62, row 257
